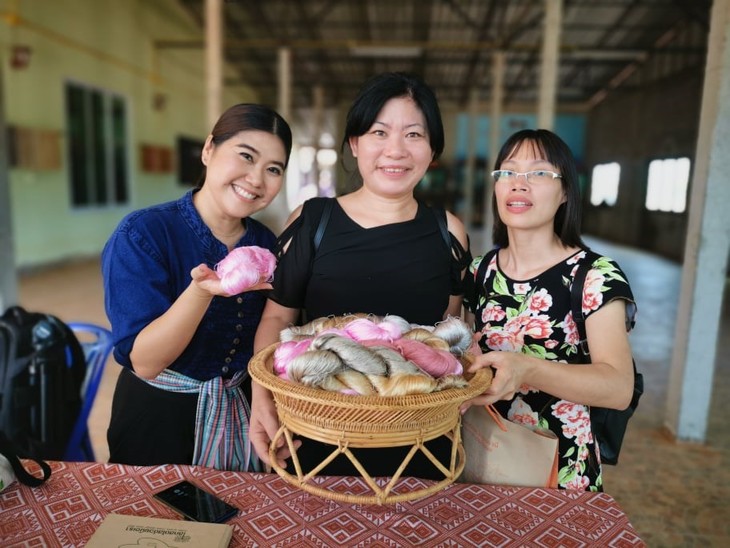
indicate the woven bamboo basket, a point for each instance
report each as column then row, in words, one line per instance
column 347, row 421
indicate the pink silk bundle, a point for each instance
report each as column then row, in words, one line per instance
column 244, row 267
column 434, row 361
column 286, row 352
column 363, row 329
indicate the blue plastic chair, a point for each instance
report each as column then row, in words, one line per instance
column 97, row 344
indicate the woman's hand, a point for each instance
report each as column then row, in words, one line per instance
column 264, row 425
column 264, row 419
column 208, row 281
column 510, row 369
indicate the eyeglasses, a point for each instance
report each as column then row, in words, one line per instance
column 535, row 177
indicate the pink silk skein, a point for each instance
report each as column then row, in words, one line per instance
column 433, row 361
column 436, row 362
column 244, row 267
column 285, row 353
column 363, row 329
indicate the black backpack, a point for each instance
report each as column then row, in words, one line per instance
column 42, row 371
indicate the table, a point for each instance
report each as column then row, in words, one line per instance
column 68, row 508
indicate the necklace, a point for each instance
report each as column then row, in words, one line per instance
column 230, row 238
column 236, row 233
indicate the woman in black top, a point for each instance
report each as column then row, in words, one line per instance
column 383, row 252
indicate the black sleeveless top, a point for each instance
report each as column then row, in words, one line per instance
column 402, row 268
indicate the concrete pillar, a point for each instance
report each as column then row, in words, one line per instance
column 549, row 65
column 214, row 59
column 706, row 247
column 471, row 154
column 8, row 275
column 278, row 211
column 318, row 106
column 284, row 73
column 495, row 142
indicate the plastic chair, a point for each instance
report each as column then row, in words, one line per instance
column 97, row 344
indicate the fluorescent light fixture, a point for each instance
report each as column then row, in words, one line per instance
column 385, row 51
column 606, row 55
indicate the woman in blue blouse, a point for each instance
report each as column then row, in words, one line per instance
column 183, row 394
column 520, row 303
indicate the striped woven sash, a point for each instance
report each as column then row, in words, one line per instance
column 221, row 420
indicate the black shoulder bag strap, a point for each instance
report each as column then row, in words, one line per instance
column 287, row 233
column 440, row 215
column 482, row 269
column 452, row 243
column 7, row 449
column 576, row 303
column 322, row 226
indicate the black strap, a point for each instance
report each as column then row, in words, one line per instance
column 440, row 215
column 9, row 452
column 576, row 301
column 483, row 264
column 322, row 226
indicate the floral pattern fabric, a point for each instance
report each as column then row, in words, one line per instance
column 534, row 317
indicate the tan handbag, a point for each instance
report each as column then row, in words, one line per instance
column 502, row 452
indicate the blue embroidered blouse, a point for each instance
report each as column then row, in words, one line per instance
column 146, row 265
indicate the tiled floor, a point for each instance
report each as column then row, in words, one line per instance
column 675, row 494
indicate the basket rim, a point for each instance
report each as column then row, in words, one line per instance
column 262, row 373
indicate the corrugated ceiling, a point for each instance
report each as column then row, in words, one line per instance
column 450, row 42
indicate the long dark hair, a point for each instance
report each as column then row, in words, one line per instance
column 246, row 117
column 380, row 89
column 566, row 223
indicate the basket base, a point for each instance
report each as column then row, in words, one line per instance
column 379, row 494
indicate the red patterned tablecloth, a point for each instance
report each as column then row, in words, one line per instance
column 68, row 508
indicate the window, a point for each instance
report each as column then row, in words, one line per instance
column 189, row 165
column 311, row 172
column 667, row 186
column 97, row 146
column 604, row 184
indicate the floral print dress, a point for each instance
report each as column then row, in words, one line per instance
column 534, row 317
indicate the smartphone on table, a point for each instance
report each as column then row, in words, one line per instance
column 195, row 503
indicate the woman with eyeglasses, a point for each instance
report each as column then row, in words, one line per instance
column 518, row 298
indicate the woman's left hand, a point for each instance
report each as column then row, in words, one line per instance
column 206, row 279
